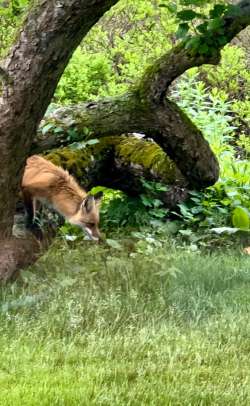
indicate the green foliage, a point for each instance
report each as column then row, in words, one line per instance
column 244, row 144
column 232, row 76
column 201, row 26
column 116, row 51
column 119, row 210
column 241, row 218
column 217, row 205
column 11, row 13
column 151, row 199
column 83, row 78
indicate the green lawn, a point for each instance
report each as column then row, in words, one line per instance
column 99, row 326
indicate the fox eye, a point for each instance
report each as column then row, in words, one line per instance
column 89, row 224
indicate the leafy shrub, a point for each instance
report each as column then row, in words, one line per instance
column 11, row 14
column 232, row 76
column 217, row 205
column 116, row 51
column 83, row 78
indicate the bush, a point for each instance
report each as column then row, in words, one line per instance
column 83, row 78
column 211, row 112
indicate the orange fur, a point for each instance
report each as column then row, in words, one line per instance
column 52, row 185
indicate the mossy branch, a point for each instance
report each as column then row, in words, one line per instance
column 118, row 162
column 158, row 77
column 121, row 163
column 167, row 125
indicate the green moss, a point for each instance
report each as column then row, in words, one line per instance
column 80, row 161
column 75, row 161
column 129, row 150
column 149, row 156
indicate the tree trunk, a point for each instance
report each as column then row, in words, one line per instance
column 35, row 64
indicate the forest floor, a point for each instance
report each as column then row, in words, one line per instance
column 136, row 324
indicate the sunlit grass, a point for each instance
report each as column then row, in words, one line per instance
column 97, row 326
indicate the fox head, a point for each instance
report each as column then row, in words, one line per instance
column 87, row 217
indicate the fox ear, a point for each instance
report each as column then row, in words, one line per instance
column 88, row 203
column 98, row 197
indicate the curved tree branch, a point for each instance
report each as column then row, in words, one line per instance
column 167, row 125
column 166, row 69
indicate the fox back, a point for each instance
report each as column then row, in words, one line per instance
column 45, row 182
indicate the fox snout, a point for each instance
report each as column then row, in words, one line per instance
column 94, row 234
column 89, row 213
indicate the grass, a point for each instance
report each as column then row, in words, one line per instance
column 141, row 325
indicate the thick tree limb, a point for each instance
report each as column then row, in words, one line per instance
column 166, row 124
column 120, row 163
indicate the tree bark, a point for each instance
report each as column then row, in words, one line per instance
column 36, row 62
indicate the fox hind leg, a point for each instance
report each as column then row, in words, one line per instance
column 32, row 221
column 29, row 207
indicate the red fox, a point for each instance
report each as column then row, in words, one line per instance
column 45, row 182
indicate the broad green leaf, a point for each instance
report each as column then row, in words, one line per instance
column 193, row 43
column 186, row 232
column 241, row 219
column 217, row 11
column 204, row 49
column 182, row 30
column 93, row 141
column 187, row 15
column 69, row 237
column 202, row 27
column 222, row 40
column 146, row 201
column 233, row 10
column 193, row 2
column 58, row 130
column 172, row 7
column 46, row 128
column 215, row 24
